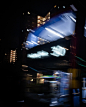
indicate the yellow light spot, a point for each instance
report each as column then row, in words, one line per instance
column 55, row 6
column 28, row 12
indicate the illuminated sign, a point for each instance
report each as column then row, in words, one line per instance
column 57, row 51
column 39, row 54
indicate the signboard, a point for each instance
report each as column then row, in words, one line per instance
column 56, row 51
column 39, row 54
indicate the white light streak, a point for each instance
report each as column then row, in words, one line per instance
column 72, row 18
column 73, row 7
column 30, row 30
column 54, row 102
column 56, row 73
column 34, row 42
column 54, row 32
column 29, row 42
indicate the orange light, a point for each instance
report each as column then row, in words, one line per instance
column 49, row 13
column 44, row 19
column 38, row 21
column 38, row 25
column 48, row 17
column 55, row 6
column 43, row 22
column 39, row 17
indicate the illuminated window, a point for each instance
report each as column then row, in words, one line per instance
column 23, row 13
column 55, row 6
column 43, row 22
column 38, row 25
column 13, row 56
column 14, row 53
column 58, row 7
column 28, row 12
column 38, row 21
column 13, row 59
column 41, row 81
column 44, row 19
column 38, row 42
column 5, row 54
column 63, row 6
column 48, row 17
column 39, row 17
column 40, row 39
column 31, row 80
column 49, row 13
